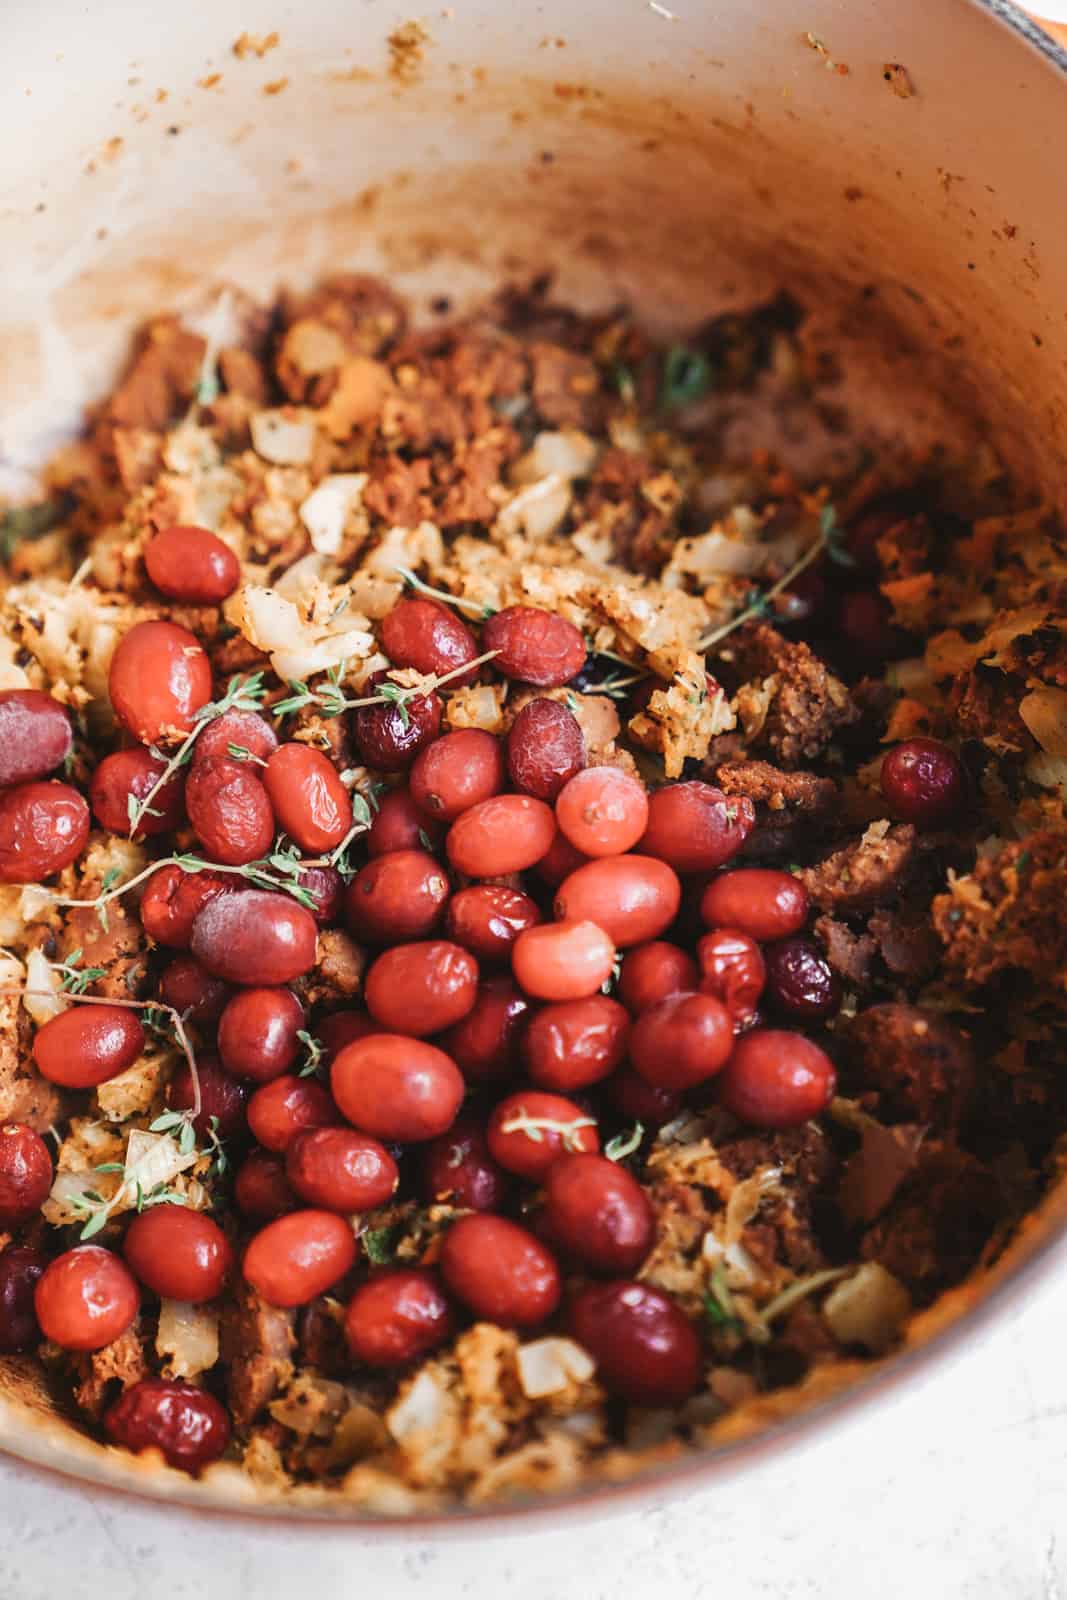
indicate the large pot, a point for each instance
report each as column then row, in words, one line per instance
column 900, row 168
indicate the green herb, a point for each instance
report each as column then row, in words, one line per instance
column 571, row 700
column 834, row 536
column 239, row 752
column 77, row 980
column 758, row 604
column 478, row 610
column 535, row 1128
column 718, row 1302
column 313, row 1060
column 425, row 840
column 624, row 382
column 687, row 377
column 330, row 700
column 394, row 693
column 624, row 1144
column 378, row 1244
column 30, row 522
column 1022, row 861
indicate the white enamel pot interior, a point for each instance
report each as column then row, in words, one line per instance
column 899, row 167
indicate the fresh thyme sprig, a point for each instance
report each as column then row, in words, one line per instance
column 313, row 1059
column 624, row 1144
column 331, row 700
column 478, row 609
column 279, row 871
column 77, row 979
column 535, row 1128
column 758, row 607
column 242, row 694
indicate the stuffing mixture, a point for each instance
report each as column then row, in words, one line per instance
column 524, row 928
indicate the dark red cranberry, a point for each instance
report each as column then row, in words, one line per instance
column 186, row 1425
column 800, row 982
column 458, row 1169
column 221, row 1096
column 389, row 736
column 923, row 782
column 20, row 1270
column 644, row 1346
column 545, row 749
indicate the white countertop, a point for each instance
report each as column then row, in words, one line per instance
column 953, row 1487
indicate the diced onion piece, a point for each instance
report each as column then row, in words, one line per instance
column 283, row 438
column 421, row 1408
column 549, row 1366
column 44, row 997
column 327, row 508
column 1044, row 711
column 567, row 454
column 869, row 1308
column 537, row 510
column 187, row 1338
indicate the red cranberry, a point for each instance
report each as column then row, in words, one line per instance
column 732, row 969
column 186, row 1425
column 599, row 1213
column 193, row 992
column 501, row 1271
column 20, row 1272
column 484, row 1043
column 695, row 827
column 682, row 1041
column 420, row 633
column 759, row 901
column 545, row 749
column 538, row 647
column 458, row 1169
column 390, row 736
column 800, row 982
column 922, row 781
column 221, row 1097
column 644, row 1346
column 35, row 735
column 639, row 1101
column 397, row 1317
column 25, row 1173
column 776, row 1079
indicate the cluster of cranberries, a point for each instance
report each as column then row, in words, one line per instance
column 507, row 884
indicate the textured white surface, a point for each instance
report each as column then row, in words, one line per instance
column 950, row 1489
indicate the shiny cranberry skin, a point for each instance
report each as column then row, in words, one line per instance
column 458, row 1168
column 563, row 960
column 159, row 678
column 599, row 1213
column 247, row 731
column 400, row 825
column 575, row 1043
column 682, row 1041
column 538, row 647
column 35, row 735
column 177, row 1253
column 131, row 775
column 420, row 633
column 87, row 1045
column 653, row 972
column 287, row 1106
column 421, row 988
column 258, row 1033
column 501, row 1271
column 255, row 937
column 561, row 860
column 397, row 1088
column 760, row 901
column 805, row 606
column 644, row 1346
column 299, row 1257
column 326, row 887
column 456, row 772
column 546, row 747
column 508, row 833
column 340, row 1170
column 230, row 811
column 20, row 1272
column 633, row 898
column 261, row 1189
column 43, row 828
column 396, row 897
column 188, row 1426
column 389, row 738
column 308, row 798
column 922, row 781
column 528, row 1130
column 695, row 827
column 486, row 919
column 639, row 1101
column 222, row 1098
column 25, row 1173
column 733, row 970
column 484, row 1044
column 800, row 981
column 193, row 991
column 85, row 1298
column 602, row 811
column 191, row 565
column 397, row 1317
column 776, row 1079
column 173, row 898
column 341, row 1028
